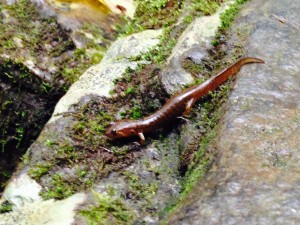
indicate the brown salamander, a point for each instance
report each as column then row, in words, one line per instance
column 179, row 104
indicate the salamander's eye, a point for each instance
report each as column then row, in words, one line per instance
column 113, row 131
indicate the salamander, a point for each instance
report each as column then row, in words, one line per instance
column 179, row 104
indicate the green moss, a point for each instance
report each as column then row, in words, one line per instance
column 201, row 162
column 97, row 57
column 229, row 15
column 165, row 13
column 39, row 170
column 129, row 90
column 139, row 188
column 152, row 14
column 199, row 8
column 59, row 188
column 67, row 152
column 136, row 112
column 160, row 52
column 5, row 173
column 215, row 43
column 227, row 19
column 5, row 207
column 188, row 19
column 108, row 210
column 49, row 143
column 205, row 7
column 25, row 159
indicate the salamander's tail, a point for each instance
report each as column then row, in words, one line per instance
column 219, row 79
column 250, row 60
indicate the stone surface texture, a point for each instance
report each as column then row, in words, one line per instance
column 98, row 80
column 256, row 176
column 22, row 191
column 194, row 41
column 48, row 212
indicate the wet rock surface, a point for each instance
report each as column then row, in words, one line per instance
column 191, row 44
column 39, row 59
column 20, row 92
column 142, row 180
column 30, row 209
column 255, row 178
column 98, row 80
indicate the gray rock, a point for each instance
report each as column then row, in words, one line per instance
column 192, row 43
column 98, row 80
column 256, row 177
column 48, row 212
column 22, row 191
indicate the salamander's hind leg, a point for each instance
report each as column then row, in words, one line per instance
column 189, row 106
column 142, row 138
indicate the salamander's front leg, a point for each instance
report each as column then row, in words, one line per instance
column 142, row 138
column 189, row 106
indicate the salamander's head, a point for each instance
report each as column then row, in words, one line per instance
column 120, row 129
